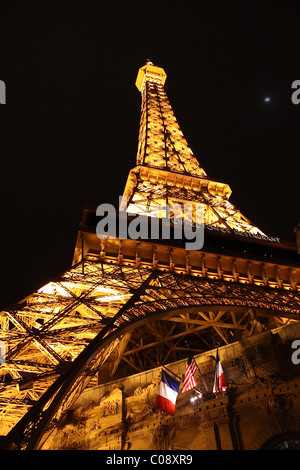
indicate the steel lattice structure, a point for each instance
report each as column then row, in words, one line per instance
column 65, row 331
column 127, row 303
column 167, row 171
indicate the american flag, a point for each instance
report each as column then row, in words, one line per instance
column 189, row 376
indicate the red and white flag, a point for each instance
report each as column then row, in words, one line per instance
column 220, row 384
column 189, row 376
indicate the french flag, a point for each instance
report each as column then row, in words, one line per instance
column 220, row 384
column 167, row 394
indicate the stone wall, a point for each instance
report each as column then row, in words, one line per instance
column 262, row 401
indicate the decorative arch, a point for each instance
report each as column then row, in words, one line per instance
column 103, row 304
column 284, row 441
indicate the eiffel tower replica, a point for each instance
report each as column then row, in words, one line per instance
column 128, row 306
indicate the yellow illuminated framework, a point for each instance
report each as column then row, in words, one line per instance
column 128, row 304
column 167, row 172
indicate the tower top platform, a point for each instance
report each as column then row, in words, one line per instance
column 150, row 72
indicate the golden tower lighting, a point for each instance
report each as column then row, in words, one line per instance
column 125, row 306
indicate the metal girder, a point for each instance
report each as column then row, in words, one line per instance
column 163, row 158
column 124, row 298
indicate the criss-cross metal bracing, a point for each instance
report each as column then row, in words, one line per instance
column 58, row 338
column 161, row 141
column 167, row 172
column 123, row 310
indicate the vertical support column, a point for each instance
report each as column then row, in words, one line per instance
column 216, row 425
column 210, row 436
column 225, row 434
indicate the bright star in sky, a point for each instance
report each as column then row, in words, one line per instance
column 267, row 99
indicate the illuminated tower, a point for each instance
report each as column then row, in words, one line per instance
column 167, row 172
column 128, row 306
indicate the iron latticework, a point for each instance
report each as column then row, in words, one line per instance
column 129, row 305
column 167, row 171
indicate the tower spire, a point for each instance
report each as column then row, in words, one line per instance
column 161, row 142
column 167, row 172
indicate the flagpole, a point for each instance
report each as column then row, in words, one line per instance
column 216, row 385
column 171, row 372
column 177, row 376
column 201, row 376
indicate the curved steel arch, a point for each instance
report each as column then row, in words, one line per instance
column 29, row 431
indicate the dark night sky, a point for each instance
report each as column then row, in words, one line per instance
column 70, row 126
